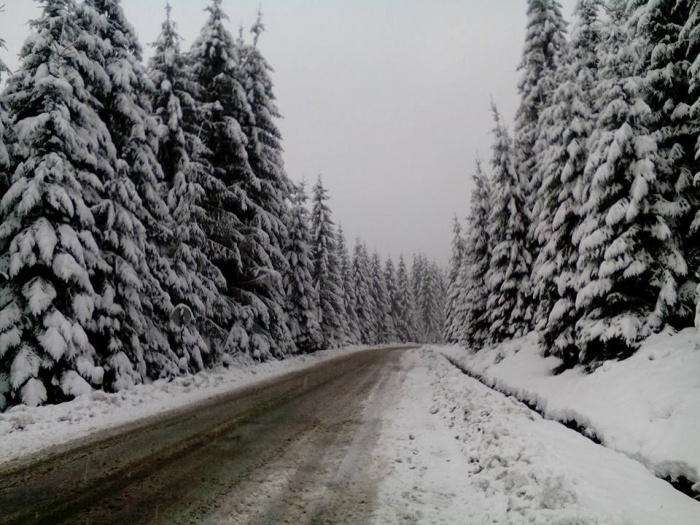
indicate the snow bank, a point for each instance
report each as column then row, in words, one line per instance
column 463, row 453
column 647, row 406
column 25, row 430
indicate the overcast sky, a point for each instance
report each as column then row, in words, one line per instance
column 386, row 99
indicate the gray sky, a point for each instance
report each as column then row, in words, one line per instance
column 386, row 99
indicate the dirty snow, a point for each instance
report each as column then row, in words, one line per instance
column 25, row 430
column 647, row 406
column 463, row 453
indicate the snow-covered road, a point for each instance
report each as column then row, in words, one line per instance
column 378, row 436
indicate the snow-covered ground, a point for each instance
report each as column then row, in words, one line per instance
column 25, row 430
column 647, row 406
column 463, row 453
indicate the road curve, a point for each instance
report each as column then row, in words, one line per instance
column 293, row 449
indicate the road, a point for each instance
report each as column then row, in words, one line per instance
column 295, row 449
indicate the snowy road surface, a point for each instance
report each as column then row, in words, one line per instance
column 293, row 448
column 381, row 436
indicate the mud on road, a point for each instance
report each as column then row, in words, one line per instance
column 295, row 449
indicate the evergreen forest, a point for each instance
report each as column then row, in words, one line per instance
column 584, row 225
column 148, row 227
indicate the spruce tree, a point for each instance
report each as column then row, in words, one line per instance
column 5, row 132
column 365, row 304
column 392, row 291
column 270, row 188
column 628, row 263
column 348, row 290
column 133, row 310
column 326, row 277
column 509, row 271
column 431, row 295
column 418, row 270
column 302, row 298
column 472, row 314
column 690, row 37
column 198, row 281
column 451, row 330
column 48, row 224
column 382, row 313
column 544, row 42
column 565, row 127
column 669, row 76
column 405, row 305
column 236, row 245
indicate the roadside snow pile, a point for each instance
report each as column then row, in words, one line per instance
column 521, row 468
column 647, row 406
column 25, row 430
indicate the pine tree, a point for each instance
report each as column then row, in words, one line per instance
column 48, row 224
column 302, row 299
column 472, row 315
column 382, row 314
column 509, row 271
column 544, row 42
column 690, row 37
column 418, row 269
column 405, row 305
column 565, row 127
column 348, row 290
column 628, row 263
column 669, row 88
column 133, row 310
column 5, row 132
column 365, row 305
column 235, row 245
column 270, row 188
column 451, row 329
column 326, row 277
column 198, row 281
column 392, row 292
column 431, row 302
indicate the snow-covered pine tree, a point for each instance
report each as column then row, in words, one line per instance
column 405, row 305
column 5, row 134
column 565, row 126
column 471, row 315
column 441, row 278
column 364, row 305
column 237, row 247
column 509, row 270
column 269, row 189
column 326, row 277
column 48, row 225
column 133, row 310
column 418, row 270
column 431, row 295
column 690, row 36
column 386, row 331
column 198, row 281
column 348, row 289
column 628, row 260
column 667, row 51
column 302, row 299
column 545, row 39
column 451, row 330
column 392, row 291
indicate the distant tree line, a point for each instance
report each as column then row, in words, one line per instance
column 586, row 228
column 138, row 197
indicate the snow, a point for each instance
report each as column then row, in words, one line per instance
column 25, row 430
column 460, row 452
column 647, row 406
